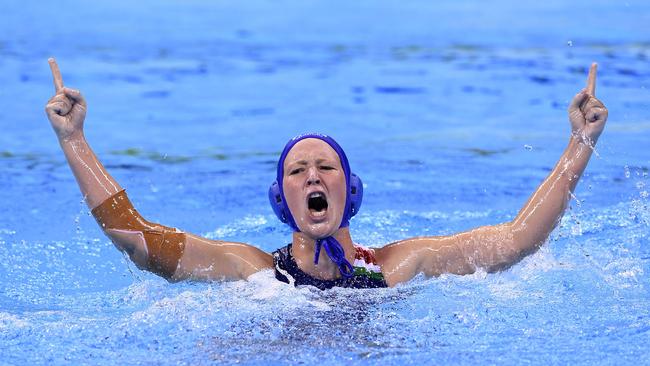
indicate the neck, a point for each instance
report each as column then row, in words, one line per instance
column 303, row 248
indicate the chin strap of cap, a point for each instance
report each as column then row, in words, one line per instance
column 336, row 253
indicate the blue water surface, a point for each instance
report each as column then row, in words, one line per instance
column 452, row 112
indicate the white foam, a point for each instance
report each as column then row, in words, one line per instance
column 238, row 227
column 10, row 321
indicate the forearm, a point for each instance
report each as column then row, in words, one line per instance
column 544, row 209
column 151, row 246
column 94, row 181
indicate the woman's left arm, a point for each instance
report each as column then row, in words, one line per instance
column 500, row 246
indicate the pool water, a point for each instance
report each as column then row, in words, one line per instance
column 452, row 114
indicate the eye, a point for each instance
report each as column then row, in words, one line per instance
column 327, row 167
column 295, row 171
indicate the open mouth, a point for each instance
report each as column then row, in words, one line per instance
column 317, row 203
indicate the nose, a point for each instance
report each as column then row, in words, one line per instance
column 313, row 177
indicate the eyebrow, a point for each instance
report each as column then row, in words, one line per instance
column 305, row 162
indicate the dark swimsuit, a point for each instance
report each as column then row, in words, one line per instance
column 367, row 273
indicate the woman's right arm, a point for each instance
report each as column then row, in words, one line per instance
column 168, row 252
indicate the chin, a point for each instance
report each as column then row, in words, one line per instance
column 319, row 230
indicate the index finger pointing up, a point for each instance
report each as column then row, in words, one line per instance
column 58, row 80
column 591, row 80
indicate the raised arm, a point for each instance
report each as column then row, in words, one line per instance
column 544, row 209
column 168, row 252
column 497, row 247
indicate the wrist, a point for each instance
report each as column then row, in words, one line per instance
column 583, row 138
column 75, row 136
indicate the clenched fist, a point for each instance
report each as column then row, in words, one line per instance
column 586, row 113
column 66, row 110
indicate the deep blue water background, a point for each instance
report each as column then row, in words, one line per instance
column 452, row 112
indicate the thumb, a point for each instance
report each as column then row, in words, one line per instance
column 75, row 96
column 52, row 110
column 578, row 100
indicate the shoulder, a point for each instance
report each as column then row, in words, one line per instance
column 402, row 260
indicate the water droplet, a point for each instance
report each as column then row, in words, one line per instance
column 627, row 171
column 528, row 147
column 569, row 43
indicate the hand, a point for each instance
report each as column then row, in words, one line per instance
column 586, row 113
column 66, row 110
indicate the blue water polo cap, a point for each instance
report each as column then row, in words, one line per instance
column 353, row 199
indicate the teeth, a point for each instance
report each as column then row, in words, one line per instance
column 315, row 194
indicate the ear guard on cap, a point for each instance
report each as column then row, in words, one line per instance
column 282, row 210
column 356, row 195
column 275, row 198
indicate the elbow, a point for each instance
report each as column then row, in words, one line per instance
column 157, row 252
column 506, row 249
column 529, row 237
column 132, row 243
column 527, row 240
column 151, row 246
column 502, row 246
column 514, row 256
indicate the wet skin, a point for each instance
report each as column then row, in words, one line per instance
column 313, row 166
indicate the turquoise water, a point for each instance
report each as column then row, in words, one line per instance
column 451, row 113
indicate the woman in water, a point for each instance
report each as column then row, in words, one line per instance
column 316, row 194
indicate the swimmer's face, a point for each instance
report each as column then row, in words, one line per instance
column 314, row 187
